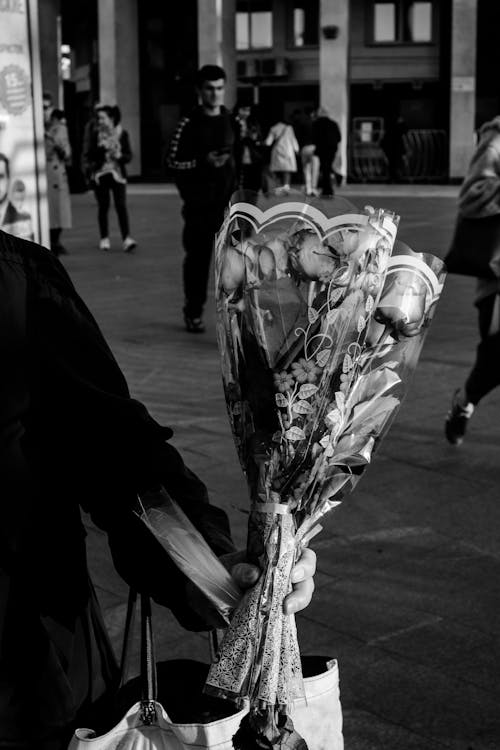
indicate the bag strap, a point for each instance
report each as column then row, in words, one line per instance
column 149, row 690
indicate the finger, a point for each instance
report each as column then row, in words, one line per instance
column 245, row 575
column 230, row 559
column 305, row 567
column 300, row 597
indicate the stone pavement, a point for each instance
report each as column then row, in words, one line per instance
column 408, row 596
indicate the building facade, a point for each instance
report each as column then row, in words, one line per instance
column 427, row 67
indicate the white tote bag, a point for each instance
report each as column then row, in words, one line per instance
column 147, row 726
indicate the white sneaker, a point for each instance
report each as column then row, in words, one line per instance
column 105, row 244
column 129, row 244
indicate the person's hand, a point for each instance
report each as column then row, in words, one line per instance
column 246, row 575
column 217, row 159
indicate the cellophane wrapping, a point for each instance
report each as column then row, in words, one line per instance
column 321, row 317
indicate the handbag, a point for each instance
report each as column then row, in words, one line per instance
column 475, row 248
column 177, row 684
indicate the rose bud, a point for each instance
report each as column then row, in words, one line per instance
column 233, row 270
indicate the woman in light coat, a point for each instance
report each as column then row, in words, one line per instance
column 284, row 148
column 57, row 156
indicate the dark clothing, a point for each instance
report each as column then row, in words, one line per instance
column 249, row 154
column 485, row 375
column 93, row 155
column 326, row 138
column 205, row 190
column 71, row 438
column 103, row 189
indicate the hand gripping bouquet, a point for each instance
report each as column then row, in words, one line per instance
column 320, row 324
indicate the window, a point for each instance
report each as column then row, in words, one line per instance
column 304, row 23
column 254, row 25
column 401, row 22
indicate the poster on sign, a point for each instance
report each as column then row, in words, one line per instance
column 23, row 193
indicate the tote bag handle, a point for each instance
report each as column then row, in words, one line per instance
column 149, row 688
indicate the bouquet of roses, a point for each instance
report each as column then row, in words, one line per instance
column 320, row 323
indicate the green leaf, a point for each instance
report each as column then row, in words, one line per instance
column 312, row 315
column 373, row 385
column 322, row 357
column 307, row 390
column 340, row 400
column 302, row 407
column 294, row 434
column 335, row 295
column 370, row 416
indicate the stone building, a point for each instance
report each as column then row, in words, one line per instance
column 369, row 62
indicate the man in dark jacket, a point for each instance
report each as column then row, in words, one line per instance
column 326, row 138
column 202, row 157
column 71, row 437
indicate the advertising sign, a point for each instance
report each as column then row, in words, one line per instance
column 23, row 193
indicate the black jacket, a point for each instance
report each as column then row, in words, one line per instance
column 71, row 437
column 326, row 136
column 195, row 137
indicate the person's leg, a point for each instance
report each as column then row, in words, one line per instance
column 485, row 374
column 307, row 172
column 314, row 174
column 198, row 238
column 325, row 167
column 101, row 192
column 120, row 199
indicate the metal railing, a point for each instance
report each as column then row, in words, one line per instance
column 425, row 158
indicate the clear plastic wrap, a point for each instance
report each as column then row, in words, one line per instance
column 320, row 325
column 188, row 549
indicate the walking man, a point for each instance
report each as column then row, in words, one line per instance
column 201, row 156
column 326, row 138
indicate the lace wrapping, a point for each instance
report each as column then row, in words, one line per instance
column 259, row 655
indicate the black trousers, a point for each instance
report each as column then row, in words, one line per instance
column 485, row 375
column 325, row 171
column 201, row 223
column 103, row 189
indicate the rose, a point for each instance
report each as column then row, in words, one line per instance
column 233, row 270
column 312, row 258
column 402, row 303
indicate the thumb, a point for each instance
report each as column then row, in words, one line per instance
column 245, row 575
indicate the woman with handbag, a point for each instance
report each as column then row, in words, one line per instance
column 475, row 251
column 72, row 438
column 108, row 153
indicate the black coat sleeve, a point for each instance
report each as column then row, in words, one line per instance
column 107, row 445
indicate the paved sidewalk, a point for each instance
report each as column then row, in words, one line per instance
column 408, row 593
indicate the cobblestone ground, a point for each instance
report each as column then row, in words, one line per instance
column 408, row 594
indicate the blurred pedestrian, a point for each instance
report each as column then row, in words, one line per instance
column 284, row 148
column 14, row 218
column 72, row 438
column 202, row 158
column 107, row 152
column 248, row 152
column 326, row 138
column 57, row 158
column 88, row 136
column 479, row 201
column 308, row 156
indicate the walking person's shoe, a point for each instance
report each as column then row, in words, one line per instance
column 194, row 325
column 105, row 244
column 129, row 244
column 457, row 420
